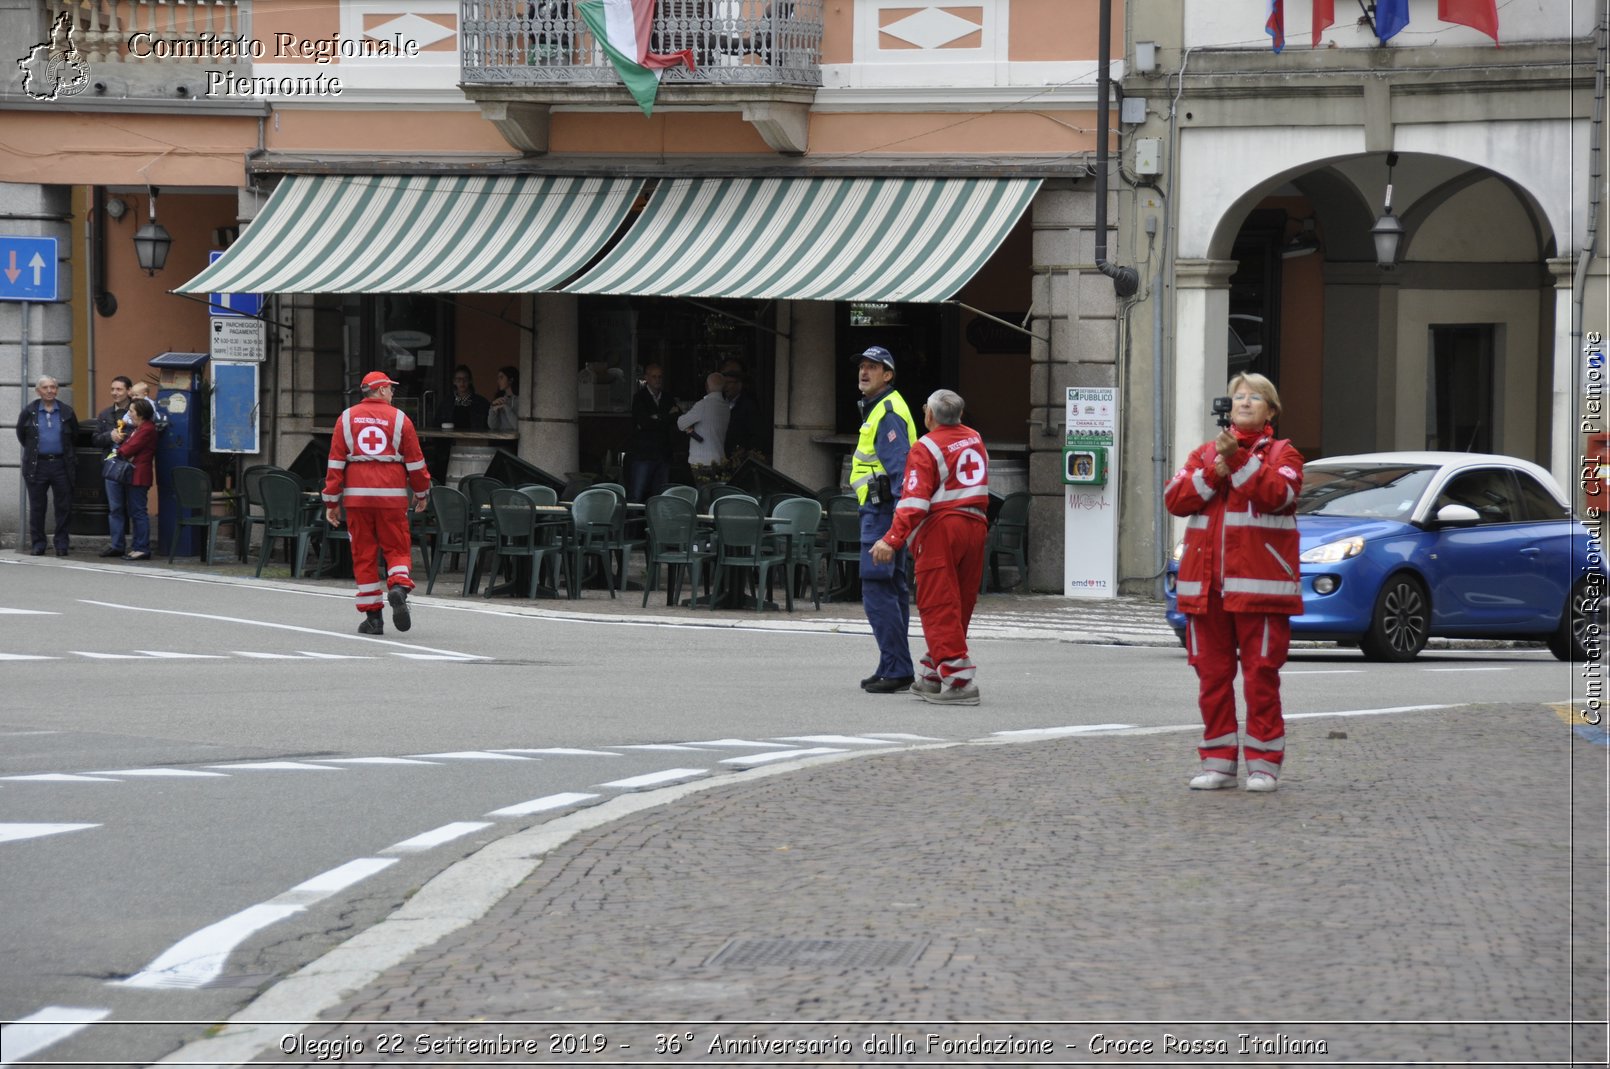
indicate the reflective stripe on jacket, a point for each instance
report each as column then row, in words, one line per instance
column 864, row 463
column 375, row 459
column 948, row 474
column 1241, row 534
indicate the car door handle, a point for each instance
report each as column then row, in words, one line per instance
column 1531, row 551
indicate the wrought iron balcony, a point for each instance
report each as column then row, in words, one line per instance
column 546, row 44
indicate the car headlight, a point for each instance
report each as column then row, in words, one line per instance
column 1179, row 550
column 1331, row 552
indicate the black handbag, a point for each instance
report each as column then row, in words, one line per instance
column 117, row 470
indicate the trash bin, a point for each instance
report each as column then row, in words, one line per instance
column 90, row 510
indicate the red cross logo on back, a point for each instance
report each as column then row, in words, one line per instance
column 372, row 441
column 970, row 468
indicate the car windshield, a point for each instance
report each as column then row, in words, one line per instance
column 1382, row 491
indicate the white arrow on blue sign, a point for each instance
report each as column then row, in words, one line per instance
column 28, row 268
column 232, row 304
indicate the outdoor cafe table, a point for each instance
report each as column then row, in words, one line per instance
column 736, row 599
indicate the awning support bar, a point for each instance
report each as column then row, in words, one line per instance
column 1003, row 322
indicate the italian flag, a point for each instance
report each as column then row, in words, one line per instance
column 622, row 27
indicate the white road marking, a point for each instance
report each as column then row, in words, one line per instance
column 269, row 656
column 10, row 833
column 659, row 746
column 437, row 656
column 436, row 837
column 737, row 744
column 27, row 612
column 25, row 657
column 168, row 655
column 1075, row 729
column 836, row 740
column 558, row 750
column 541, row 805
column 895, row 736
column 654, row 779
column 276, row 766
column 753, row 760
column 474, row 755
column 1370, row 712
column 1484, row 668
column 198, row 958
column 57, row 777
column 29, row 1035
column 335, row 656
column 107, row 656
column 345, row 636
column 378, row 761
column 176, row 772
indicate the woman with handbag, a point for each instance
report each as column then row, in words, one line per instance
column 139, row 448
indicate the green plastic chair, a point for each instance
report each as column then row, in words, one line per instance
column 742, row 546
column 844, row 549
column 516, row 535
column 540, row 494
column 690, row 494
column 804, row 516
column 1008, row 537
column 455, row 536
column 673, row 541
column 192, row 490
column 284, row 516
column 250, row 507
column 592, row 519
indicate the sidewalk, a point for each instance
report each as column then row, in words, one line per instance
column 1415, row 876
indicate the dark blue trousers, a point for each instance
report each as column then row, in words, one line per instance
column 886, row 596
column 50, row 477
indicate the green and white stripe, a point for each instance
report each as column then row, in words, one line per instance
column 825, row 239
column 421, row 234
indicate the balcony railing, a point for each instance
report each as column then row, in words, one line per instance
column 734, row 42
column 152, row 31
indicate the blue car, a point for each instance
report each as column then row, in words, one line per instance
column 1398, row 548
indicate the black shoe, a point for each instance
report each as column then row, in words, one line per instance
column 400, row 619
column 137, row 556
column 869, row 680
column 112, row 551
column 37, row 551
column 372, row 624
column 890, row 684
column 62, row 552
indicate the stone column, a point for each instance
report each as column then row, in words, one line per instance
column 1565, row 442
column 1352, row 415
column 1201, row 347
column 549, row 361
column 33, row 211
column 803, row 391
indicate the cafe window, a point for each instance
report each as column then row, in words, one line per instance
column 922, row 338
column 409, row 336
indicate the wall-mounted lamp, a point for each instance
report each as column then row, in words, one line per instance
column 1387, row 231
column 1302, row 243
column 115, row 209
column 152, row 241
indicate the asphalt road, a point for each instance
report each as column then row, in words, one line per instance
column 205, row 784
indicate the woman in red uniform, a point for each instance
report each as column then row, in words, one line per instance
column 1240, row 582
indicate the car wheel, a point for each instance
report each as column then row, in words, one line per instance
column 1401, row 622
column 1580, row 636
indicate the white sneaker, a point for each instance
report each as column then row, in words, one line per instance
column 967, row 694
column 1212, row 781
column 925, row 686
column 1262, row 782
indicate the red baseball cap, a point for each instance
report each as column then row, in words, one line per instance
column 376, row 379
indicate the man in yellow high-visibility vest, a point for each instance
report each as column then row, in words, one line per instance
column 877, row 471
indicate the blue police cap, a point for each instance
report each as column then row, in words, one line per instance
column 879, row 354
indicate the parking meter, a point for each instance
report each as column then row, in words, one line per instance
column 180, row 394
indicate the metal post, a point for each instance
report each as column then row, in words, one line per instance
column 22, row 484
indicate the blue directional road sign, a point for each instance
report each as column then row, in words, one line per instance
column 232, row 304
column 28, row 268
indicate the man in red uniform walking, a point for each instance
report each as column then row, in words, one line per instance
column 375, row 466
column 943, row 513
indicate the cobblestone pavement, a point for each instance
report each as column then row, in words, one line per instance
column 1424, row 888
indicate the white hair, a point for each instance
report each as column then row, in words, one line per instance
column 946, row 406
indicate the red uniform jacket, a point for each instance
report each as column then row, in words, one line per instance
column 1241, row 538
column 374, row 459
column 947, row 472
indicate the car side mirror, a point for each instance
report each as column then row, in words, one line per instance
column 1457, row 516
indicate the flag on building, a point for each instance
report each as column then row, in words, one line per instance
column 1275, row 24
column 1390, row 17
column 1477, row 14
column 1324, row 17
column 622, row 27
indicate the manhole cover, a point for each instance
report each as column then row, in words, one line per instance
column 821, row 953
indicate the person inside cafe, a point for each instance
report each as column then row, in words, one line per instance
column 500, row 416
column 705, row 423
column 463, row 409
column 743, row 429
column 653, row 420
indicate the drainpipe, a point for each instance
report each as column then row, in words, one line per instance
column 1125, row 280
column 1579, row 283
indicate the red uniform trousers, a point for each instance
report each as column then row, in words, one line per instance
column 379, row 533
column 949, row 556
column 1215, row 642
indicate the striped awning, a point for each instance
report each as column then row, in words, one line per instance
column 812, row 239
column 421, row 234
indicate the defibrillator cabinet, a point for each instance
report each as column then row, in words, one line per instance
column 1084, row 461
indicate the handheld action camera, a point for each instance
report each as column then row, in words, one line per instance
column 1221, row 410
